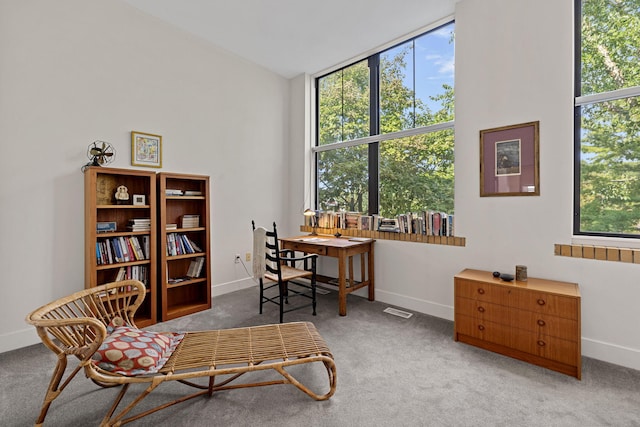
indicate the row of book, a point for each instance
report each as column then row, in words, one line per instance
column 429, row 223
column 122, row 249
column 180, row 244
column 133, row 272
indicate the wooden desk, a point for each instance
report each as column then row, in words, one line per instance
column 342, row 248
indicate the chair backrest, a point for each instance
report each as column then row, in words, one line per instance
column 272, row 251
column 79, row 321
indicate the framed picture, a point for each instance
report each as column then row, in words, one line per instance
column 138, row 199
column 509, row 160
column 146, row 149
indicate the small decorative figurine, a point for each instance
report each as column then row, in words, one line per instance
column 122, row 195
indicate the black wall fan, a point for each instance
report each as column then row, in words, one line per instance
column 100, row 153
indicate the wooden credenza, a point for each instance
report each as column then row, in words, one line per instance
column 537, row 321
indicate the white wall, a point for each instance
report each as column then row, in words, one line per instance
column 72, row 72
column 514, row 64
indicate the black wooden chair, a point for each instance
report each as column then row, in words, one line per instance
column 281, row 271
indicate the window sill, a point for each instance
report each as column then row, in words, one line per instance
column 383, row 235
column 600, row 253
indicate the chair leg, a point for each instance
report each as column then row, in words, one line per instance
column 55, row 388
column 261, row 294
column 313, row 293
column 281, row 306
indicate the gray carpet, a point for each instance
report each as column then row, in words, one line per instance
column 391, row 372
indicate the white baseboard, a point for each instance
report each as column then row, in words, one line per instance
column 225, row 288
column 600, row 350
column 18, row 339
column 422, row 306
column 611, row 353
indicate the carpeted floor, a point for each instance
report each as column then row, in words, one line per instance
column 391, row 372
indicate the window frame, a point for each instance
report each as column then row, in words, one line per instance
column 579, row 102
column 375, row 137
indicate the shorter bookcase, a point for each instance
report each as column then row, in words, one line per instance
column 184, row 244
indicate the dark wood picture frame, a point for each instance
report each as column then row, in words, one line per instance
column 510, row 160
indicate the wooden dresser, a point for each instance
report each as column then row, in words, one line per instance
column 537, row 321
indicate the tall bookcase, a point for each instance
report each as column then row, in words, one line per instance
column 184, row 244
column 114, row 247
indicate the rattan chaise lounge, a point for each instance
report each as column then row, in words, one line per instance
column 88, row 322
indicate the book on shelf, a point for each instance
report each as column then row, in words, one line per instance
column 193, row 193
column 180, row 244
column 426, row 222
column 173, row 192
column 171, row 226
column 122, row 249
column 133, row 272
column 139, row 224
column 190, row 221
column 195, row 267
column 106, row 226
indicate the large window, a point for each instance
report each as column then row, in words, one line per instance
column 607, row 118
column 385, row 130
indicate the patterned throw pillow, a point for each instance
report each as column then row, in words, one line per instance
column 130, row 351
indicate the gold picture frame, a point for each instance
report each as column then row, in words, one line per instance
column 146, row 149
column 510, row 160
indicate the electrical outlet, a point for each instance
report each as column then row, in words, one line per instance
column 237, row 259
column 247, row 256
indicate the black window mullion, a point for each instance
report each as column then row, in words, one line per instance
column 577, row 117
column 374, row 129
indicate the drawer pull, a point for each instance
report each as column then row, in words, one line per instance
column 481, row 309
column 481, row 327
column 541, row 343
column 541, row 301
column 541, row 322
column 481, row 291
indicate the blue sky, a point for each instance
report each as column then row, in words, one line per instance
column 434, row 64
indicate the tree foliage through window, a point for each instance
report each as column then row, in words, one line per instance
column 609, row 187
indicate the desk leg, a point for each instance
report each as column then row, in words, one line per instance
column 372, row 294
column 342, row 284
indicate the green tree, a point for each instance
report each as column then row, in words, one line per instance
column 610, row 135
column 416, row 173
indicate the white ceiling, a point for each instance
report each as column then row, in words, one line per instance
column 291, row 37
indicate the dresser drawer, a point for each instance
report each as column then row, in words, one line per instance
column 544, row 324
column 551, row 348
column 483, row 310
column 484, row 330
column 541, row 302
column 482, row 291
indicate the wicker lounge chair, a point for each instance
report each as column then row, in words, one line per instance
column 79, row 324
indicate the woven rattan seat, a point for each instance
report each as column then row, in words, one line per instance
column 77, row 325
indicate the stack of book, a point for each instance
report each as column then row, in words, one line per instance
column 192, row 193
column 190, row 221
column 172, row 226
column 172, row 192
column 139, row 224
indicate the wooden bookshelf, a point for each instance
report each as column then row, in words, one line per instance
column 104, row 257
column 182, row 293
